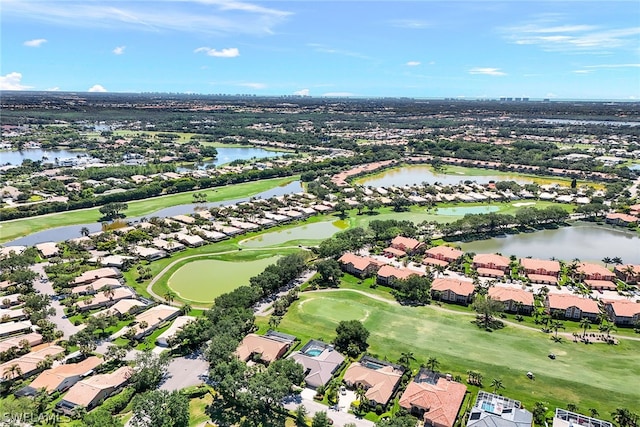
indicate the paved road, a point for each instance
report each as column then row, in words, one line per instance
column 340, row 418
column 46, row 287
column 186, row 371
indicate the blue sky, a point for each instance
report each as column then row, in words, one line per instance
column 431, row 49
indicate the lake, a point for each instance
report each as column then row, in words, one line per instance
column 15, row 157
column 230, row 154
column 414, row 175
column 587, row 242
column 317, row 231
column 60, row 234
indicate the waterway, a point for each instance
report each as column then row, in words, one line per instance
column 15, row 157
column 587, row 242
column 316, row 231
column 230, row 154
column 72, row 231
column 414, row 175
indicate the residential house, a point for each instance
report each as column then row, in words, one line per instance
column 514, row 299
column 541, row 270
column 320, row 361
column 623, row 312
column 621, row 219
column 190, row 240
column 564, row 418
column 359, row 265
column 441, row 255
column 61, row 377
column 590, row 271
column 175, row 327
column 151, row 319
column 91, row 391
column 93, row 275
column 14, row 328
column 168, row 246
column 572, row 306
column 434, row 398
column 629, row 273
column 149, row 254
column 407, row 244
column 265, row 348
column 380, row 379
column 122, row 307
column 389, row 274
column 106, row 298
column 391, row 252
column 491, row 265
column 32, row 338
column 97, row 286
column 29, row 363
column 492, row 410
column 452, row 290
column 48, row 249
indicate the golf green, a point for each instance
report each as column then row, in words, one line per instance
column 202, row 281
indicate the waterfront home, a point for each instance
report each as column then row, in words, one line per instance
column 434, row 398
column 48, row 249
column 590, row 271
column 358, row 265
column 379, row 378
column 29, row 363
column 212, row 236
column 541, row 270
column 320, row 362
column 61, row 377
column 93, row 390
column 93, row 275
column 389, row 274
column 623, row 312
column 515, row 300
column 621, row 219
column 264, row 348
column 441, row 255
column 452, row 290
column 407, row 244
column 491, row 410
column 175, row 327
column 490, row 265
column 630, row 273
column 185, row 219
column 572, row 306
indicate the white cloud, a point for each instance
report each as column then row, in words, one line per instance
column 412, row 63
column 12, row 81
column 614, row 66
column 199, row 16
column 302, row 92
column 97, row 88
column 35, row 42
column 119, row 50
column 254, row 85
column 230, row 52
column 412, row 24
column 338, row 94
column 53, row 89
column 487, row 71
column 582, row 71
column 318, row 47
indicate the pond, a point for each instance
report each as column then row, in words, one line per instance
column 586, row 242
column 413, row 175
column 60, row 234
column 315, row 232
column 15, row 157
column 464, row 210
column 229, row 275
column 230, row 154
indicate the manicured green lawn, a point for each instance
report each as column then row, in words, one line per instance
column 203, row 280
column 590, row 376
column 10, row 230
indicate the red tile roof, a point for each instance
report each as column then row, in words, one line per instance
column 600, row 284
column 563, row 302
column 388, row 271
column 490, row 272
column 460, row 287
column 359, row 262
column 441, row 400
column 625, row 308
column 405, row 242
column 488, row 259
column 543, row 278
column 511, row 294
column 394, row 251
column 540, row 265
column 444, row 252
column 591, row 269
column 623, row 217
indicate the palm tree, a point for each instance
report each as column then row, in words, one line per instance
column 274, row 321
column 593, row 412
column 555, row 326
column 109, row 293
column 406, row 358
column 616, row 260
column 84, row 231
column 12, row 372
column 439, row 269
column 624, row 417
column 607, row 261
column 496, row 383
column 432, row 363
column 185, row 309
column 572, row 407
column 629, row 272
column 585, row 324
column 169, row 296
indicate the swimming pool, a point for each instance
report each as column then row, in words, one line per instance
column 313, row 352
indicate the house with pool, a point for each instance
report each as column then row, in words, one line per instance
column 320, row 362
column 491, row 410
column 379, row 378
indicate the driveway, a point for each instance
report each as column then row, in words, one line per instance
column 340, row 417
column 186, row 371
column 45, row 287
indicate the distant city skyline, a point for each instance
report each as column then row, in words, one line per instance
column 586, row 50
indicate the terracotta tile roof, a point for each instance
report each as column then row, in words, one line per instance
column 435, row 261
column 591, row 269
column 109, row 282
column 623, row 217
column 395, row 252
column 405, row 242
column 490, row 272
column 359, row 262
column 563, row 302
column 380, row 383
column 488, row 259
column 84, row 392
column 29, row 362
column 511, row 294
column 625, row 308
column 442, row 400
column 91, row 275
column 32, row 338
column 269, row 349
column 540, row 265
column 388, row 271
column 446, row 252
column 460, row 287
column 52, row 378
column 601, row 284
column 622, row 268
column 543, row 278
